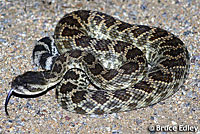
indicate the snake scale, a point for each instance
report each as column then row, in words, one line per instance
column 99, row 64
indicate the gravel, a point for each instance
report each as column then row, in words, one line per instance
column 24, row 22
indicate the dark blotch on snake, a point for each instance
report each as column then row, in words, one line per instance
column 172, row 42
column 71, row 75
column 130, row 67
column 68, row 87
column 75, row 53
column 89, row 58
column 97, row 20
column 83, row 41
column 141, row 60
column 69, row 20
column 121, row 46
column 133, row 53
column 174, row 52
column 109, row 21
column 160, row 76
column 57, row 68
column 62, row 58
column 109, row 75
column 123, row 26
column 78, row 96
column 158, row 33
column 141, row 29
column 174, row 62
column 70, row 32
column 102, row 45
column 143, row 85
column 100, row 97
column 122, row 95
column 97, row 70
column 83, row 15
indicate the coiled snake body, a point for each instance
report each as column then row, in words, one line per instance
column 99, row 64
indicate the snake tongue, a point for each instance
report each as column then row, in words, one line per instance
column 7, row 100
column 13, row 93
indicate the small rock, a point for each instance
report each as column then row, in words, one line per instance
column 152, row 118
column 143, row 7
column 138, row 121
column 174, row 123
column 67, row 118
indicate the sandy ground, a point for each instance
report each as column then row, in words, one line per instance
column 24, row 22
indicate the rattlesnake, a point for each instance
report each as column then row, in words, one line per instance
column 99, row 64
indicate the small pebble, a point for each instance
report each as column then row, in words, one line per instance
column 67, row 118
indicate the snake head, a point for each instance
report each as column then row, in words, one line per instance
column 28, row 85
